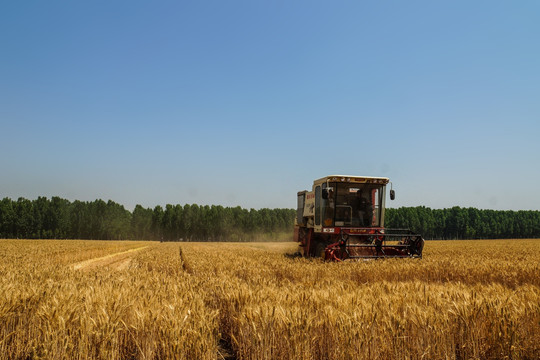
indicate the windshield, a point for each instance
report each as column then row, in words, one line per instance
column 356, row 205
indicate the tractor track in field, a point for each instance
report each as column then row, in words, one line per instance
column 116, row 261
column 225, row 350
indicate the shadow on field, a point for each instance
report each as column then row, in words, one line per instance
column 293, row 255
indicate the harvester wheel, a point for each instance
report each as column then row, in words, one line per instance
column 319, row 250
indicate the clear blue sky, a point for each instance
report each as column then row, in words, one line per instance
column 247, row 102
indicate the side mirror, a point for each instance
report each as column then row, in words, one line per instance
column 324, row 194
column 392, row 195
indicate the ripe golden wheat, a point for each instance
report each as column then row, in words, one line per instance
column 464, row 300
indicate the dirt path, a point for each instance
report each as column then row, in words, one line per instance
column 116, row 261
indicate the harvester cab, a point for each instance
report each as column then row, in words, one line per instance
column 343, row 218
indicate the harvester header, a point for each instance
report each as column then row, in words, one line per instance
column 342, row 218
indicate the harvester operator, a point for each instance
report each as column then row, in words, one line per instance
column 364, row 208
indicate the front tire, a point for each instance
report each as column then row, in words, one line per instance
column 318, row 250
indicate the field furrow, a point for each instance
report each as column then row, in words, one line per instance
column 120, row 260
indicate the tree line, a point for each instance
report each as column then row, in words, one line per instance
column 58, row 218
column 465, row 223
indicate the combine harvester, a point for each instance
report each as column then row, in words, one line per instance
column 342, row 218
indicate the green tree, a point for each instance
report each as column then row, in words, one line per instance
column 141, row 223
column 7, row 218
column 157, row 220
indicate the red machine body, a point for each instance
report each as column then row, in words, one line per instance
column 343, row 218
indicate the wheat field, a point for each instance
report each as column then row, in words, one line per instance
column 145, row 300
